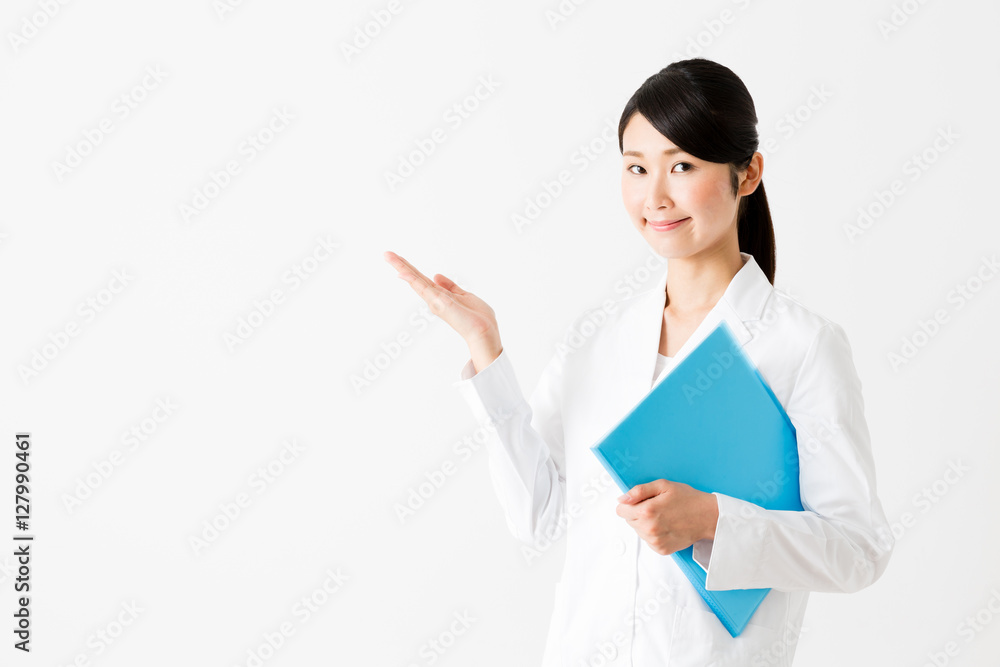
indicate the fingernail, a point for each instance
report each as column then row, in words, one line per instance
column 623, row 498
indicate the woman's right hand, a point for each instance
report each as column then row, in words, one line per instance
column 464, row 312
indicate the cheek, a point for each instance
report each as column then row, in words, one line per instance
column 633, row 198
column 710, row 197
column 723, row 193
column 706, row 194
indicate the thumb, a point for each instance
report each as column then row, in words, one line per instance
column 641, row 492
column 448, row 284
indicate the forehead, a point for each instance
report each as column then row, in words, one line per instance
column 641, row 137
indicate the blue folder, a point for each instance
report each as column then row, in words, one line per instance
column 712, row 423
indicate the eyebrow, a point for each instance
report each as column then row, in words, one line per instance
column 669, row 151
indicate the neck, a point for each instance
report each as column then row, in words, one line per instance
column 695, row 284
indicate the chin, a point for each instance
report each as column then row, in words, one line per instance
column 666, row 249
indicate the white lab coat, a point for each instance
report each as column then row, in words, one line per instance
column 618, row 601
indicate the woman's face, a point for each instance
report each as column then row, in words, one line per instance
column 661, row 183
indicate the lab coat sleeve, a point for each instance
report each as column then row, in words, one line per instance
column 525, row 444
column 841, row 542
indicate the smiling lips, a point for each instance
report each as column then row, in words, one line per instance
column 666, row 225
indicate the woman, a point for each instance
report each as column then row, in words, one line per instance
column 691, row 183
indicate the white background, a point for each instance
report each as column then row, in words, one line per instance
column 364, row 447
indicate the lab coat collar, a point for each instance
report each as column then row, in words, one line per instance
column 745, row 296
column 742, row 302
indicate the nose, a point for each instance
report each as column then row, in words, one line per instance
column 657, row 195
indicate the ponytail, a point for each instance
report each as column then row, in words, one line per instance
column 756, row 231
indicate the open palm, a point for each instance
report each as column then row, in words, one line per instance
column 464, row 312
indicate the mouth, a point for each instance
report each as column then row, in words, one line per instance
column 666, row 225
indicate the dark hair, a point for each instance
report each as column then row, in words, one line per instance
column 707, row 111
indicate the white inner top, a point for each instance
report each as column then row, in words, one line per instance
column 663, row 363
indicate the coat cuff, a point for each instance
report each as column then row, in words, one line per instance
column 735, row 553
column 702, row 553
column 493, row 393
column 701, row 550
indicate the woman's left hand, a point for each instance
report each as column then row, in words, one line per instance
column 669, row 516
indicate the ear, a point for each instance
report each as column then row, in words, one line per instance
column 752, row 175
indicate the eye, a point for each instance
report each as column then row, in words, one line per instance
column 688, row 168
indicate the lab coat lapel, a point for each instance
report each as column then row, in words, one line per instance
column 742, row 302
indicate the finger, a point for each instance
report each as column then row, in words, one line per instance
column 438, row 298
column 406, row 270
column 627, row 512
column 448, row 284
column 641, row 492
column 430, row 291
column 632, row 495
